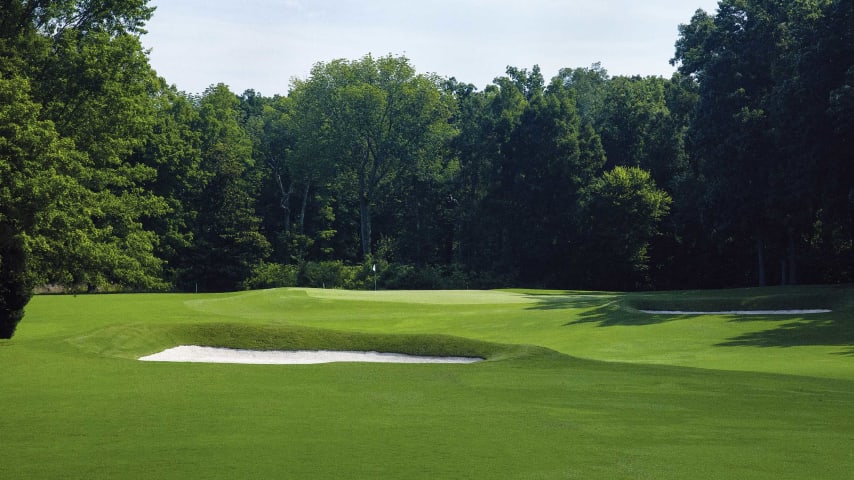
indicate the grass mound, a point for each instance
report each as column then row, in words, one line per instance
column 286, row 337
column 132, row 341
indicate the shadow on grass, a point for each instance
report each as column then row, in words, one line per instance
column 606, row 309
column 615, row 309
column 824, row 330
column 614, row 314
column 562, row 302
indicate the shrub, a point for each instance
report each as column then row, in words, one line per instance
column 331, row 274
column 388, row 276
column 271, row 275
column 397, row 276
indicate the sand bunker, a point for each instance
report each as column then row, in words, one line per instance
column 195, row 354
column 738, row 312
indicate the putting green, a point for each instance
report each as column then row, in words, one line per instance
column 432, row 297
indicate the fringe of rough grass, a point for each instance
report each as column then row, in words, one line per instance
column 270, row 337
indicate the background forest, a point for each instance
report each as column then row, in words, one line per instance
column 738, row 170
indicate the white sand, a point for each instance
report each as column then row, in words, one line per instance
column 195, row 354
column 738, row 312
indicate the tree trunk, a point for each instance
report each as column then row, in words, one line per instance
column 365, row 209
column 286, row 205
column 303, row 207
column 365, row 225
column 285, row 201
column 760, row 256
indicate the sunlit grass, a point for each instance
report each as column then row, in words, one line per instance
column 576, row 385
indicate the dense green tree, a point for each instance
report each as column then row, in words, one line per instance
column 77, row 104
column 589, row 86
column 227, row 240
column 266, row 121
column 730, row 55
column 38, row 171
column 545, row 157
column 313, row 173
column 475, row 150
column 378, row 119
column 643, row 122
column 50, row 18
column 811, row 114
column 421, row 219
column 622, row 215
column 486, row 123
column 173, row 149
column 637, row 127
column 762, row 136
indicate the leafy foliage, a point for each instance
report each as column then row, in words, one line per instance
column 227, row 240
column 622, row 217
column 76, row 103
column 378, row 119
column 733, row 171
column 763, row 137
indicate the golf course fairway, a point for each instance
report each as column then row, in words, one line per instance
column 575, row 385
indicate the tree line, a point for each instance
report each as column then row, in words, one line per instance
column 735, row 171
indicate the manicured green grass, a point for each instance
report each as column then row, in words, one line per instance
column 577, row 385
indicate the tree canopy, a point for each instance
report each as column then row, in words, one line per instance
column 737, row 170
column 77, row 102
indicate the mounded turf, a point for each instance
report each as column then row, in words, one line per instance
column 576, row 385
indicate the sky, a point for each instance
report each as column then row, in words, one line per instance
column 263, row 44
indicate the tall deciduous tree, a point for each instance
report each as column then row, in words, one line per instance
column 39, row 196
column 378, row 120
column 310, row 164
column 76, row 83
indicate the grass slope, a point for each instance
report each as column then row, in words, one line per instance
column 577, row 385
